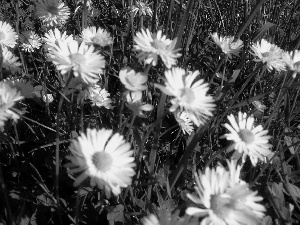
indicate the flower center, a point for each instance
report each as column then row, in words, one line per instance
column 77, row 59
column 102, row 161
column 187, row 95
column 52, row 9
column 159, row 45
column 247, row 136
column 2, row 35
column 221, row 206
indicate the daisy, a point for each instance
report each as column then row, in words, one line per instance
column 153, row 45
column 133, row 81
column 228, row 45
column 52, row 12
column 8, row 97
column 99, row 96
column 143, row 8
column 30, row 41
column 81, row 59
column 101, row 37
column 8, row 36
column 190, row 95
column 249, row 140
column 184, row 122
column 10, row 62
column 54, row 36
column 292, row 60
column 223, row 202
column 104, row 157
column 268, row 53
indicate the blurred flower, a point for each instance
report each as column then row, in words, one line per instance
column 133, row 96
column 54, row 36
column 226, row 199
column 52, row 12
column 228, row 45
column 10, row 62
column 190, row 95
column 80, row 5
column 138, row 107
column 104, row 157
column 292, row 60
column 8, row 36
column 184, row 122
column 248, row 139
column 48, row 98
column 166, row 218
column 23, row 86
column 30, row 41
column 143, row 8
column 268, row 53
column 259, row 106
column 101, row 37
column 8, row 97
column 152, row 45
column 83, row 60
column 99, row 96
column 133, row 81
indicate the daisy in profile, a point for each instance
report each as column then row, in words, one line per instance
column 8, row 97
column 292, row 60
column 8, row 36
column 81, row 59
column 92, row 35
column 249, row 140
column 133, row 81
column 104, row 157
column 269, row 54
column 189, row 95
column 225, row 200
column 143, row 8
column 99, row 96
column 30, row 41
column 227, row 44
column 150, row 46
column 10, row 61
column 184, row 122
column 52, row 12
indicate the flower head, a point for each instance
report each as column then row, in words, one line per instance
column 153, row 45
column 10, row 62
column 81, row 59
column 30, row 41
column 8, row 97
column 292, row 60
column 228, row 45
column 52, row 12
column 143, row 8
column 190, row 95
column 105, row 158
column 101, row 37
column 99, row 96
column 225, row 199
column 8, row 36
column 268, row 53
column 54, row 36
column 248, row 140
column 133, row 81
column 184, row 122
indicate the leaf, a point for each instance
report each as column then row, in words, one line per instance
column 292, row 143
column 295, row 191
column 115, row 214
column 267, row 220
column 277, row 192
column 262, row 30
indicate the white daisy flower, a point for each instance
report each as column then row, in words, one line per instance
column 153, row 45
column 143, row 8
column 8, row 97
column 223, row 203
column 292, row 60
column 52, row 12
column 228, row 45
column 133, row 81
column 268, row 53
column 248, row 140
column 8, row 36
column 104, row 157
column 99, row 96
column 30, row 41
column 150, row 220
column 82, row 59
column 54, row 36
column 184, row 122
column 10, row 61
column 101, row 37
column 190, row 95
